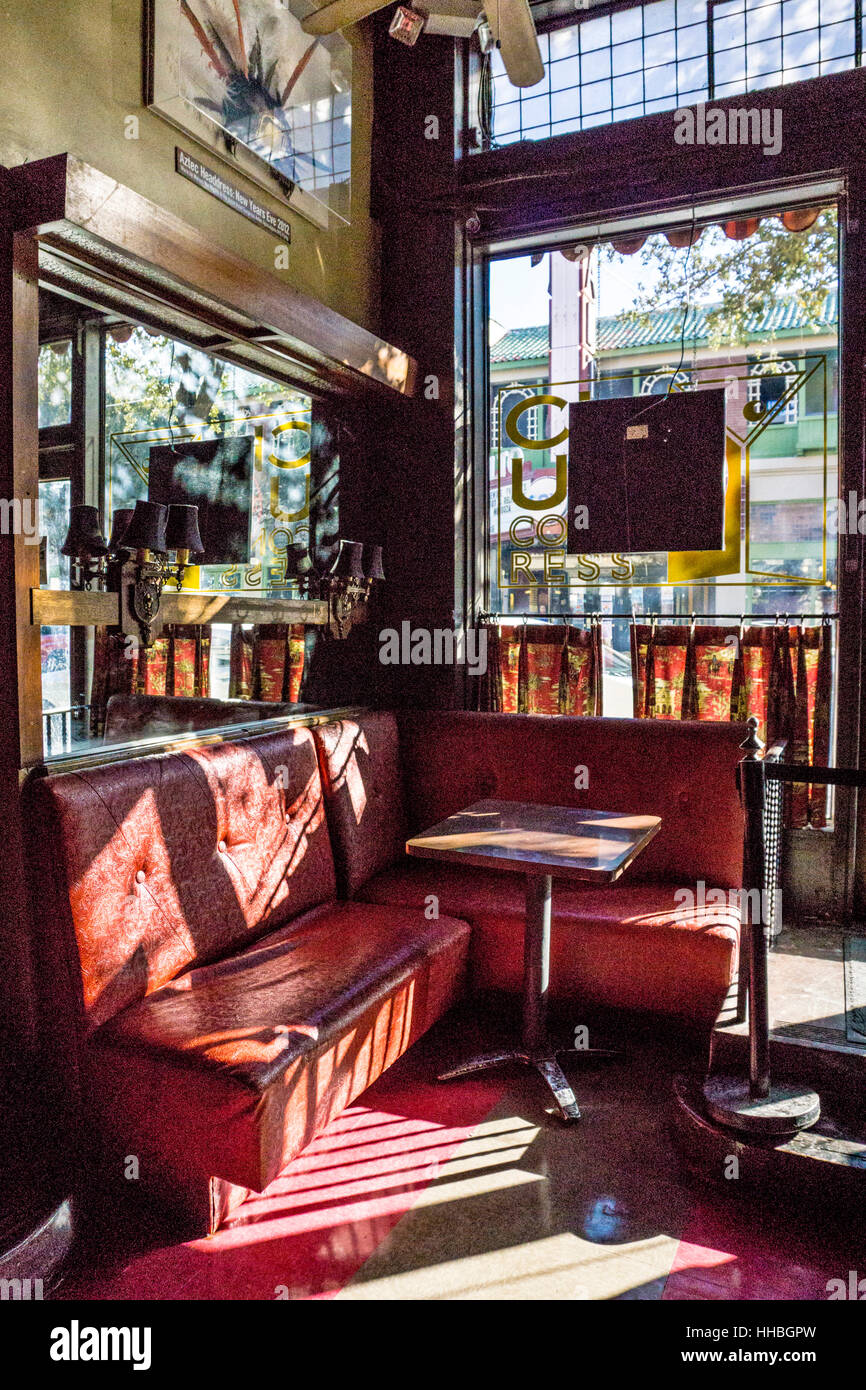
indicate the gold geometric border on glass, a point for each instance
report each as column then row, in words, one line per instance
column 771, row 578
column 285, row 419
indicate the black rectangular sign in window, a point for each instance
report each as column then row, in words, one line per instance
column 647, row 474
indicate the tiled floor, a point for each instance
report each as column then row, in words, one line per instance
column 807, row 984
column 470, row 1190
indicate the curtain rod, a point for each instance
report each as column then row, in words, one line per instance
column 666, row 617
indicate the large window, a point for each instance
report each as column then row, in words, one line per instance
column 664, row 54
column 128, row 415
column 674, row 318
column 55, row 383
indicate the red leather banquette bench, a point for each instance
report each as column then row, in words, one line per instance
column 631, row 945
column 234, row 944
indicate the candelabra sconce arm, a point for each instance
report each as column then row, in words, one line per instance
column 347, row 604
column 346, row 587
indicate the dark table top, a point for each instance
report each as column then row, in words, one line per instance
column 525, row 838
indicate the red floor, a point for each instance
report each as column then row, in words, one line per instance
column 337, row 1205
column 329, row 1210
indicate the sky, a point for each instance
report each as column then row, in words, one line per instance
column 518, row 290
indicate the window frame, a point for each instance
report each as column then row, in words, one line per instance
column 548, row 23
column 623, row 174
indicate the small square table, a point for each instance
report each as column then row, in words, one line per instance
column 539, row 842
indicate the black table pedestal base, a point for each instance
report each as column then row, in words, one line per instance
column 535, row 1049
column 545, row 1064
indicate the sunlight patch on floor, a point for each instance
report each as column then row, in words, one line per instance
column 562, row 1267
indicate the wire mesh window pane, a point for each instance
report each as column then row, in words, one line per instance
column 655, row 57
column 659, row 17
column 692, row 41
column 596, row 65
column 627, row 57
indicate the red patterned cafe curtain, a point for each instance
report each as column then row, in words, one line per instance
column 780, row 674
column 241, row 663
column 278, row 661
column 542, row 668
column 176, row 664
column 266, row 662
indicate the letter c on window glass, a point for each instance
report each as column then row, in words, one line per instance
column 561, row 530
column 521, row 540
column 515, row 413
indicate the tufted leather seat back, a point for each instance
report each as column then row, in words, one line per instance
column 142, row 867
column 360, row 765
column 681, row 771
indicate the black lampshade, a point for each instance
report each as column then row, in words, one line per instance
column 181, row 532
column 119, row 523
column 348, row 562
column 298, row 562
column 146, row 530
column 84, row 536
column 372, row 562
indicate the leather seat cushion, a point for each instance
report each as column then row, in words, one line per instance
column 628, row 945
column 231, row 1068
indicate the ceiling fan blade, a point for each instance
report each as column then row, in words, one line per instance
column 339, row 14
column 513, row 26
column 457, row 19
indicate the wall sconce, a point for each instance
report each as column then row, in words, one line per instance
column 153, row 530
column 372, row 562
column 119, row 524
column 347, row 585
column 85, row 547
column 182, row 536
column 117, row 555
column 299, row 567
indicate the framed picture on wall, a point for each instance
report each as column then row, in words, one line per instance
column 243, row 79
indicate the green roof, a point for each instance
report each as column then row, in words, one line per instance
column 521, row 345
column 620, row 331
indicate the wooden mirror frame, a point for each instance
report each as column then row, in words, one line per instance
column 73, row 229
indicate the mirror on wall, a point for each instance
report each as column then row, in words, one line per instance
column 129, row 415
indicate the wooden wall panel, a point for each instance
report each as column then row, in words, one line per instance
column 16, row 1002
